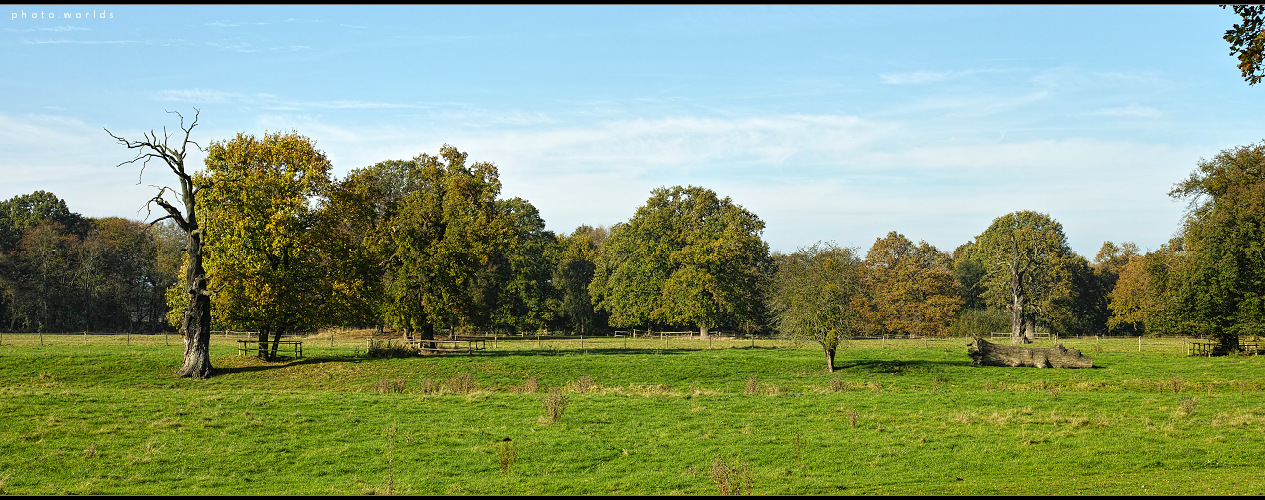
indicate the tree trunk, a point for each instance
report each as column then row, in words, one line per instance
column 985, row 353
column 276, row 341
column 702, row 331
column 830, row 359
column 426, row 332
column 1017, row 335
column 262, row 337
column 195, row 327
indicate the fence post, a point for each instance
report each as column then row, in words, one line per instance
column 1139, row 343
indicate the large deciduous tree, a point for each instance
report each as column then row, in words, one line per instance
column 687, row 257
column 195, row 325
column 909, row 288
column 261, row 233
column 1222, row 290
column 1021, row 253
column 575, row 267
column 516, row 289
column 443, row 233
column 814, row 295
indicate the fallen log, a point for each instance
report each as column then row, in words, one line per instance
column 985, row 353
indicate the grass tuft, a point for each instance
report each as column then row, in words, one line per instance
column 731, row 478
column 506, row 455
column 583, row 384
column 389, row 385
column 462, row 383
column 555, row 406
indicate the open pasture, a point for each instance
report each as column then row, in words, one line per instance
column 104, row 415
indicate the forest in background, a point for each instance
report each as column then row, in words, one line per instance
column 428, row 243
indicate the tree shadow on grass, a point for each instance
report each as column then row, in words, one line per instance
column 891, row 367
column 274, row 365
column 500, row 353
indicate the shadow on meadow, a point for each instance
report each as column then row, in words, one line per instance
column 580, row 352
column 276, row 365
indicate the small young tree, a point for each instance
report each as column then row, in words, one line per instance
column 813, row 294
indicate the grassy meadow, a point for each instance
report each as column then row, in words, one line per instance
column 105, row 415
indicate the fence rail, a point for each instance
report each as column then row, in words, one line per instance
column 343, row 342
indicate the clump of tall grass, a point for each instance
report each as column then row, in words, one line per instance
column 531, row 385
column 1187, row 407
column 555, row 406
column 731, row 478
column 388, row 385
column 800, row 448
column 506, row 455
column 583, row 384
column 388, row 349
column 753, row 386
column 461, row 384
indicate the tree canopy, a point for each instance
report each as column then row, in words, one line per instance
column 687, row 257
column 259, row 219
column 1021, row 253
column 1222, row 285
column 909, row 288
column 1247, row 41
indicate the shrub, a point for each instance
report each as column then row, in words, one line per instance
column 555, row 405
column 731, row 479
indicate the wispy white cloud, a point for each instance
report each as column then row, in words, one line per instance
column 833, row 177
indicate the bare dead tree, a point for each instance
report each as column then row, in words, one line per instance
column 195, row 327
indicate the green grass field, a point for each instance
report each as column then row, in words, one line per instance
column 95, row 415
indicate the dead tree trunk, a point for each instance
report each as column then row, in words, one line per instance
column 985, row 353
column 195, row 327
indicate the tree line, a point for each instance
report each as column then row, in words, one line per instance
column 428, row 244
column 60, row 271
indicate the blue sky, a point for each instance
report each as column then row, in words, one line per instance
column 833, row 123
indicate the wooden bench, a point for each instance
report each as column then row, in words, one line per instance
column 1035, row 335
column 245, row 347
column 1206, row 348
